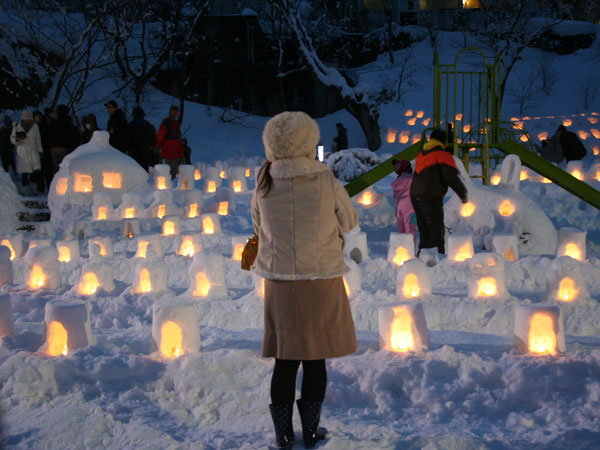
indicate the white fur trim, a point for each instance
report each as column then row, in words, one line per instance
column 290, row 168
column 291, row 134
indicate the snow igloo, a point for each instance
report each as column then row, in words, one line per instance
column 95, row 167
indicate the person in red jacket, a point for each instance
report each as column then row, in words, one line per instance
column 435, row 170
column 169, row 141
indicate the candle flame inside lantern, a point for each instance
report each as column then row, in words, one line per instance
column 401, row 336
column 237, row 186
column 366, row 198
column 404, row 137
column 193, row 212
column 102, row 248
column 411, row 287
column 142, row 249
column 546, row 180
column 467, row 209
column 237, row 252
column 111, row 180
column 567, row 291
column 223, row 207
column 583, row 135
column 208, row 227
column 523, row 138
column 186, row 248
column 486, row 287
column 161, row 183
column 422, row 113
column 495, row 180
column 83, row 183
column 391, row 135
column 62, row 186
column 573, row 251
column 401, row 256
column 247, row 172
column 185, row 184
column 162, row 210
column 592, row 120
column 7, row 243
column 577, row 174
column 411, row 121
column 168, row 228
column 222, row 174
column 346, row 287
column 145, row 285
column 567, row 122
column 212, row 186
column 464, row 252
column 57, row 339
column 509, row 255
column 197, row 175
column 542, row 338
column 202, row 285
column 595, row 132
column 101, row 213
column 523, row 175
column 171, row 340
column 37, row 278
column 408, row 113
column 543, row 135
column 506, row 208
column 426, row 122
column 64, row 254
column 89, row 284
column 596, row 150
column 130, row 212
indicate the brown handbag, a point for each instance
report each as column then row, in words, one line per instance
column 250, row 251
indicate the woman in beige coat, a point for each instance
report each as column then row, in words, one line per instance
column 300, row 213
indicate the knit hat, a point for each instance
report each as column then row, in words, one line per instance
column 27, row 115
column 291, row 134
column 438, row 135
column 401, row 166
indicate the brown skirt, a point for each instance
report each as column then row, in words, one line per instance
column 306, row 320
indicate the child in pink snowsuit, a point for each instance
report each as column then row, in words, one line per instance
column 405, row 214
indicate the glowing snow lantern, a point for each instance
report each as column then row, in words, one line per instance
column 575, row 168
column 192, row 204
column 130, row 228
column 237, row 179
column 190, row 244
column 111, row 180
column 539, row 330
column 595, row 132
column 391, row 135
column 422, row 113
column 37, row 277
column 495, row 180
column 583, row 135
column 83, row 183
column 572, row 242
column 201, row 285
column 413, row 281
column 523, row 175
column 237, row 246
column 175, row 330
column 565, row 281
column 506, row 245
column 144, row 282
column 567, row 122
column 62, row 185
column 404, row 137
column 211, row 186
column 131, row 205
column 222, row 174
column 487, row 279
column 6, row 316
column 356, row 245
column 43, row 268
column 596, row 150
column 401, row 248
column 67, row 251
column 171, row 225
column 186, row 177
column 543, row 135
column 212, row 180
column 247, row 172
column 425, row 122
column 223, row 208
column 402, row 328
column 67, row 327
column 467, row 209
column 162, row 176
column 102, row 206
column 210, row 223
column 593, row 120
column 567, row 291
column 506, row 208
column 14, row 243
column 161, row 211
column 460, row 247
column 411, row 121
column 104, row 247
column 88, row 285
column 408, row 113
column 197, row 174
column 193, row 211
column 366, row 198
column 207, row 276
column 237, row 186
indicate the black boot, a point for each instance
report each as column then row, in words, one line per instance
column 282, row 420
column 310, row 414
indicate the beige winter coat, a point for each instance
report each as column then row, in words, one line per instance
column 29, row 150
column 301, row 222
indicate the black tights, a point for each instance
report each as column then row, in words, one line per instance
column 283, row 382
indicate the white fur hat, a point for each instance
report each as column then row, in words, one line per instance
column 291, row 134
column 27, row 115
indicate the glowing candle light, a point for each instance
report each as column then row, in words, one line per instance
column 567, row 122
column 89, row 284
column 6, row 243
column 61, row 186
column 464, row 252
column 543, row 135
column 237, row 186
column 596, row 150
column 577, row 174
column 420, row 114
column 401, row 337
column 458, row 117
column 130, row 212
column 391, row 135
column 197, row 175
column 193, row 212
column 83, row 183
column 111, row 180
column 208, row 227
column 247, row 172
column 101, row 213
column 573, row 251
column 495, row 180
column 411, row 121
column 467, row 209
column 237, row 252
column 567, row 291
column 222, row 174
column 142, row 249
column 408, row 113
column 425, row 122
column 186, row 248
column 592, row 120
column 212, row 186
column 411, row 287
column 171, row 340
column 366, row 198
column 542, row 338
column 506, row 208
column 162, row 210
column 223, row 208
column 404, row 137
column 64, row 254
column 168, row 228
column 466, row 128
column 145, row 285
column 583, row 135
column 57, row 339
column 523, row 175
column 401, row 256
column 37, row 278
column 595, row 132
column 486, row 287
column 202, row 287
column 161, row 183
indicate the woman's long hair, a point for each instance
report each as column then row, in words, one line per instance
column 264, row 180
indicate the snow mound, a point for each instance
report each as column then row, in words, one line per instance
column 349, row 164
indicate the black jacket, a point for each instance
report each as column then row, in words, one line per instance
column 435, row 171
column 341, row 140
column 117, row 127
column 572, row 147
column 61, row 133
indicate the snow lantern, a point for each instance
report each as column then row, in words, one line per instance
column 14, row 242
column 352, row 279
column 81, row 229
column 506, row 207
column 212, row 180
column 6, row 317
column 162, row 177
column 186, row 177
column 6, row 267
column 43, row 268
column 112, row 180
column 487, row 278
column 413, row 281
column 130, row 228
column 175, row 330
column 146, row 240
column 207, row 276
column 190, row 244
column 95, row 277
column 162, row 204
column 198, row 169
column 68, row 251
column 356, row 245
column 467, row 209
column 131, row 206
column 401, row 249
column 171, row 225
column 402, row 328
column 192, row 204
column 594, row 172
column 67, row 327
column 460, row 247
column 150, row 276
column 368, row 198
column 506, row 245
column 565, row 281
column 210, row 223
column 237, row 247
column 571, row 242
column 44, row 242
column 102, row 208
column 575, row 168
column 539, row 330
column 237, row 179
column 104, row 247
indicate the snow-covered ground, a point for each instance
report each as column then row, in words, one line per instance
column 471, row 389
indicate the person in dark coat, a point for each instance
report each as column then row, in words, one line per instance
column 90, row 124
column 6, row 147
column 117, row 126
column 45, row 177
column 573, row 149
column 341, row 140
column 435, row 171
column 551, row 150
column 63, row 136
column 187, row 151
column 169, row 141
column 142, row 137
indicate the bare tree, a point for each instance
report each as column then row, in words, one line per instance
column 546, row 72
column 587, row 90
column 523, row 89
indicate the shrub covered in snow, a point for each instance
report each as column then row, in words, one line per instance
column 349, row 164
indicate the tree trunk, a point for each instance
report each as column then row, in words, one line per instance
column 368, row 121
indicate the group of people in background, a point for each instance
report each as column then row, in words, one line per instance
column 42, row 140
column 564, row 144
